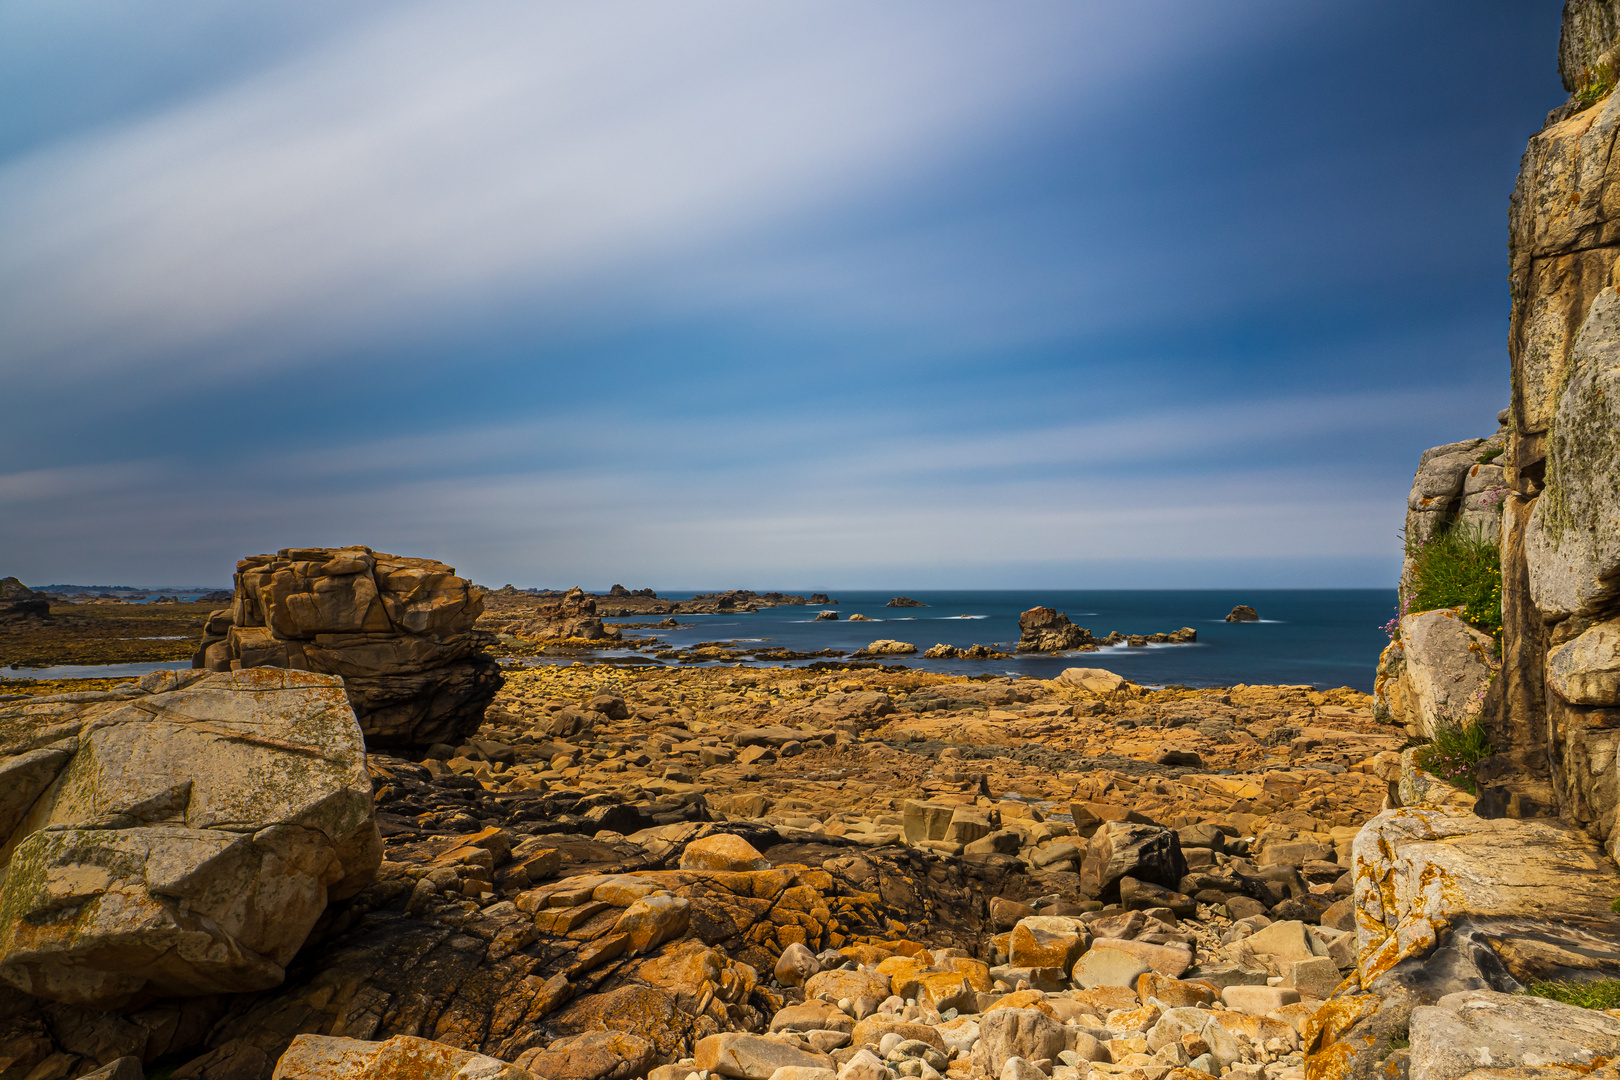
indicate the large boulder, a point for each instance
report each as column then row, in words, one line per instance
column 1438, row 674
column 177, row 836
column 1586, row 671
column 399, row 631
column 1419, row 874
column 1024, row 1033
column 1448, row 904
column 1121, row 849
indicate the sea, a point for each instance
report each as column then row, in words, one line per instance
column 1323, row 638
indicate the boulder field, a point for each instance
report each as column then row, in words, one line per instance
column 720, row 871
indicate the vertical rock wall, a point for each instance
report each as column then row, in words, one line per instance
column 1561, row 523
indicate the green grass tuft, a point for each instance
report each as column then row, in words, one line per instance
column 1459, row 570
column 1604, row 994
column 1491, row 455
column 1453, row 753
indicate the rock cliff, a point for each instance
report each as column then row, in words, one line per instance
column 1561, row 525
column 399, row 631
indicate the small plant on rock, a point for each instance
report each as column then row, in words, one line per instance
column 1459, row 569
column 1600, row 994
column 1453, row 753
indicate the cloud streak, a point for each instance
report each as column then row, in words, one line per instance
column 438, row 157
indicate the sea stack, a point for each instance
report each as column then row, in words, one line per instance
column 398, row 630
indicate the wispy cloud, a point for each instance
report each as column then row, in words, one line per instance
column 443, row 156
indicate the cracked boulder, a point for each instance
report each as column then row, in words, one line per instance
column 179, row 836
column 399, row 631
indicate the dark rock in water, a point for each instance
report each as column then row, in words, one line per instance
column 820, row 598
column 1243, row 613
column 1042, row 629
column 905, row 601
column 825, row 616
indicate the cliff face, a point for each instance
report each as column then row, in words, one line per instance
column 1561, row 521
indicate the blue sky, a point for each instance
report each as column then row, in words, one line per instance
column 909, row 293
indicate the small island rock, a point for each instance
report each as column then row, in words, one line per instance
column 1243, row 613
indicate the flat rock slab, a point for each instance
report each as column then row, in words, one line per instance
column 178, row 837
column 1485, row 1029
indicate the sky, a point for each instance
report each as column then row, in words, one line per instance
column 813, row 294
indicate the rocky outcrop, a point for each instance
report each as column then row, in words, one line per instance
column 1042, row 629
column 905, row 601
column 1243, row 613
column 572, row 617
column 1561, row 536
column 399, row 632
column 180, row 836
column 1458, row 486
column 970, row 652
column 18, row 601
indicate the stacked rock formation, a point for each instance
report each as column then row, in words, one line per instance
column 178, row 836
column 573, row 616
column 1042, row 629
column 398, row 630
column 18, row 601
column 1459, row 486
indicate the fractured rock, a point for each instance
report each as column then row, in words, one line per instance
column 398, row 630
column 1120, row 848
column 178, row 837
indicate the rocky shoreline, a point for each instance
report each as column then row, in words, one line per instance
column 541, row 898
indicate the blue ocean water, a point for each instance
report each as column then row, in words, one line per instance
column 1319, row 637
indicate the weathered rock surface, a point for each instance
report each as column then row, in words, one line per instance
column 1438, row 674
column 1042, row 629
column 324, row 1057
column 1243, row 613
column 1586, row 671
column 1463, row 1032
column 1449, row 904
column 532, row 906
column 399, row 631
column 1572, row 545
column 179, row 837
column 573, row 616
